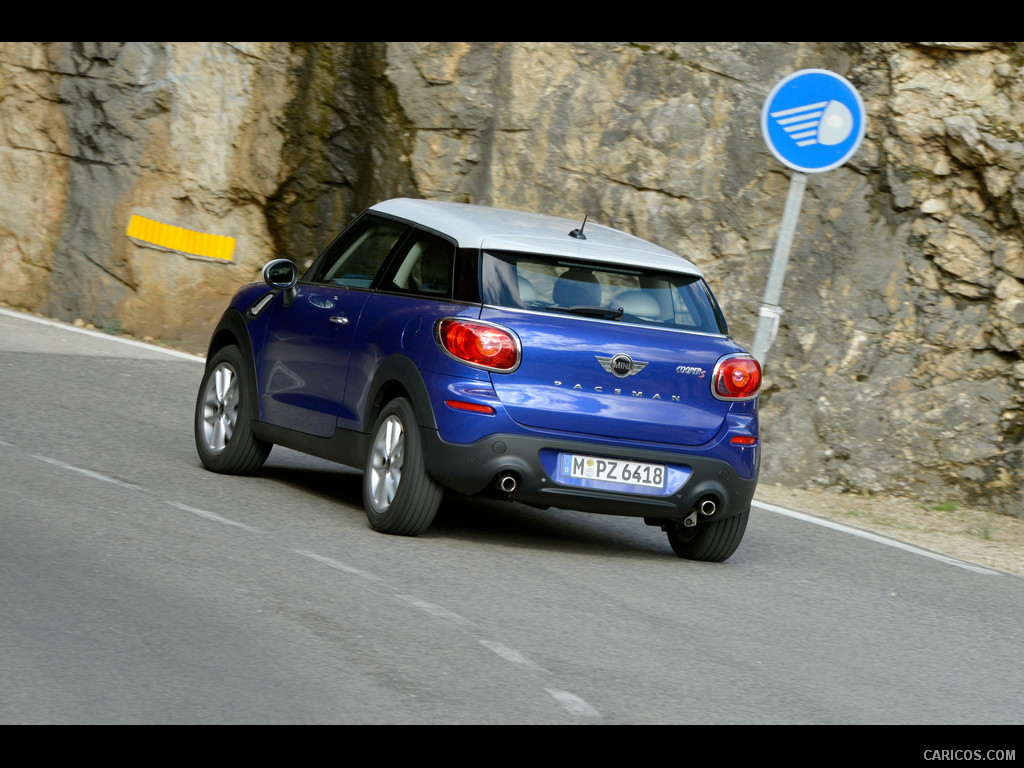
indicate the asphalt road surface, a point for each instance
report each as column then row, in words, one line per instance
column 137, row 587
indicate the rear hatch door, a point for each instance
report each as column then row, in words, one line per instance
column 612, row 379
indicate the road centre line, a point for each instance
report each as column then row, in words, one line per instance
column 510, row 655
column 569, row 701
column 212, row 516
column 331, row 563
column 572, row 703
column 437, row 611
column 185, row 508
column 89, row 473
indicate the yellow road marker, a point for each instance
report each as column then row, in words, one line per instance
column 186, row 241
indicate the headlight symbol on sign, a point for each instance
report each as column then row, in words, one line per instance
column 813, row 120
column 824, row 122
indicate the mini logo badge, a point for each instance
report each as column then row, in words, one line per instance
column 621, row 365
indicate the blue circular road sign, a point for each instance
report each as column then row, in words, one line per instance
column 813, row 120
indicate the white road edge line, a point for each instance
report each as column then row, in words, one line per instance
column 874, row 537
column 101, row 335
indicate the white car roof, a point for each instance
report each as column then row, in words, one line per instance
column 478, row 226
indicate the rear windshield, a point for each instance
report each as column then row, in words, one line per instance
column 547, row 284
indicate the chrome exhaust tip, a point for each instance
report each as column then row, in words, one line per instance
column 707, row 507
column 506, row 483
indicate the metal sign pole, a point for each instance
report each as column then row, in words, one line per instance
column 768, row 322
column 813, row 121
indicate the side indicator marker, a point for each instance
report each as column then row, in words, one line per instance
column 259, row 306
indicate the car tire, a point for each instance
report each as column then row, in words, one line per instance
column 398, row 495
column 223, row 417
column 711, row 541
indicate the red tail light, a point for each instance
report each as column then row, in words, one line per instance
column 479, row 344
column 736, row 378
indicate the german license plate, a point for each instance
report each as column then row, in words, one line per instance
column 613, row 471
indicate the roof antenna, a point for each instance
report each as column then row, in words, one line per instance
column 578, row 233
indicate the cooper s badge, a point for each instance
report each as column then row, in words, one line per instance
column 691, row 370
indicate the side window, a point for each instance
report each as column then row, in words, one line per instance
column 355, row 259
column 425, row 268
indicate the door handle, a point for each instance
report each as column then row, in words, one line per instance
column 339, row 320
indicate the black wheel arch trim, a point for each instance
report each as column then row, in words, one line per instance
column 396, row 374
column 232, row 329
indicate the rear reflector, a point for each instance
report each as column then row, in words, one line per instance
column 743, row 440
column 461, row 405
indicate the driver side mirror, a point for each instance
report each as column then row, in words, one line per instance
column 283, row 274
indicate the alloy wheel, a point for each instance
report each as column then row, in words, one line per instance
column 386, row 463
column 220, row 408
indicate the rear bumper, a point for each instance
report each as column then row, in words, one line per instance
column 533, row 462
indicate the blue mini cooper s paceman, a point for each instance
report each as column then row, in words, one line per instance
column 442, row 346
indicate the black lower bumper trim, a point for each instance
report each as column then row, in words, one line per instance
column 474, row 468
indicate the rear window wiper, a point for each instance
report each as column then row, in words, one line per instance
column 605, row 313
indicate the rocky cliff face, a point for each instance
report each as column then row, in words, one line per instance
column 899, row 361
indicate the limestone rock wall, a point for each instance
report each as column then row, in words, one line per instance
column 93, row 132
column 899, row 361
